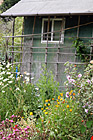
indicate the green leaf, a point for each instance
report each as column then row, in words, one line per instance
column 89, row 124
column 83, row 129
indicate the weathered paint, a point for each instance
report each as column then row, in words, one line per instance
column 84, row 31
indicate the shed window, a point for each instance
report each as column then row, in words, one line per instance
column 55, row 28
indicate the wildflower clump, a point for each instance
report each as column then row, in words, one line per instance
column 57, row 118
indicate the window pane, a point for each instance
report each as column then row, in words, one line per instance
column 57, row 27
column 45, row 30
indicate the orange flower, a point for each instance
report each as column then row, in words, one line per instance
column 44, row 104
column 75, row 65
column 49, row 100
column 67, row 106
column 58, row 103
column 70, row 110
column 74, row 94
column 56, row 106
column 61, row 94
column 52, row 98
column 41, row 108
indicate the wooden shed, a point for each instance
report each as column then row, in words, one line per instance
column 49, row 27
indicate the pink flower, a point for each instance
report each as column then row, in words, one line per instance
column 80, row 75
column 67, row 94
column 68, row 77
column 11, row 121
column 88, row 81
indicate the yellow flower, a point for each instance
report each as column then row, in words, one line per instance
column 41, row 108
column 46, row 107
column 61, row 94
column 61, row 99
column 48, row 104
column 58, row 97
column 70, row 110
column 63, row 110
column 70, row 92
column 31, row 113
column 70, row 97
column 67, row 106
column 22, row 117
column 44, row 104
column 56, row 105
column 44, row 110
column 46, row 113
column 57, row 100
column 46, row 101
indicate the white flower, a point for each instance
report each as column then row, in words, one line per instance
column 3, row 72
column 32, row 78
column 24, row 90
column 27, row 78
column 10, row 82
column 3, row 91
column 8, row 73
column 1, row 78
column 5, row 80
column 37, row 88
column 8, row 65
column 17, row 89
column 11, row 76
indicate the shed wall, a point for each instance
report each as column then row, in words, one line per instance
column 67, row 52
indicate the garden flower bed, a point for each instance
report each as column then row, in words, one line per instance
column 41, row 111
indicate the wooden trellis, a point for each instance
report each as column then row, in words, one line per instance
column 24, row 46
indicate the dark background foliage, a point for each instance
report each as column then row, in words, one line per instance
column 7, row 4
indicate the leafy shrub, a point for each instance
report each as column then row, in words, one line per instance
column 48, row 87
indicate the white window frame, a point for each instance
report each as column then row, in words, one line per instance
column 52, row 29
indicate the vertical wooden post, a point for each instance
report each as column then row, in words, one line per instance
column 13, row 40
column 21, row 45
column 77, row 35
column 46, row 49
column 59, row 50
column 31, row 50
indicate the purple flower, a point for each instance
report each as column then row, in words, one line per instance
column 86, row 110
column 83, row 106
column 80, row 75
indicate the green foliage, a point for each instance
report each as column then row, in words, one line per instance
column 48, row 87
column 81, row 49
column 82, row 84
column 62, row 119
column 7, row 4
column 16, row 97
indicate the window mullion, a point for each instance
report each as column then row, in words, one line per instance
column 52, row 29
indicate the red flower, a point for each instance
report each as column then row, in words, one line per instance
column 82, row 121
column 92, row 138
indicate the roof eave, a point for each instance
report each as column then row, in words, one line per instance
column 45, row 14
